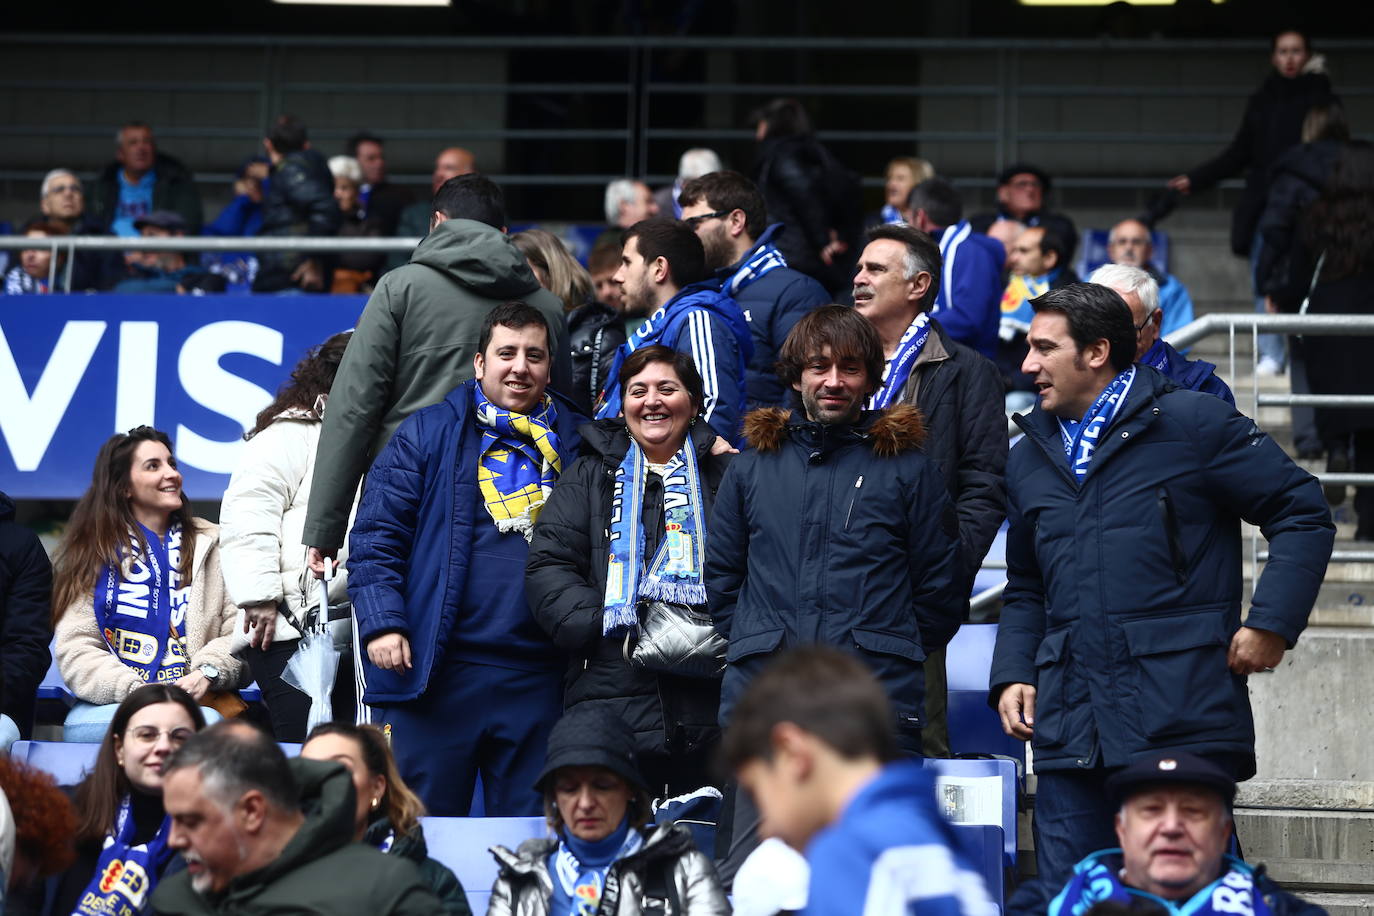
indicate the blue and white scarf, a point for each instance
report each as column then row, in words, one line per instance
column 898, row 368
column 1157, row 357
column 765, row 258
column 891, row 214
column 1082, row 437
column 675, row 573
column 583, row 879
column 519, row 464
column 140, row 606
column 1094, row 880
column 125, row 875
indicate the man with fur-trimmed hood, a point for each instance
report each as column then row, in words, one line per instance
column 834, row 528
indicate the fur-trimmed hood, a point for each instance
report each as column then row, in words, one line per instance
column 900, row 428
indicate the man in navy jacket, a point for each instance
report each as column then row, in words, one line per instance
column 1121, row 627
column 453, row 666
column 729, row 216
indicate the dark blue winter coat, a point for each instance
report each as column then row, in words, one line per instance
column 835, row 535
column 1193, row 374
column 410, row 562
column 1123, row 594
column 772, row 304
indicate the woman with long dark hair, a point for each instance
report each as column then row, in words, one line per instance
column 119, row 804
column 261, row 519
column 1332, row 273
column 387, row 811
column 138, row 596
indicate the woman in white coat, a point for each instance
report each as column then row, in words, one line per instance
column 260, row 539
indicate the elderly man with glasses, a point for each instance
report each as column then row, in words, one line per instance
column 62, row 199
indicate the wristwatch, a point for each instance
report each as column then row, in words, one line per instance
column 210, row 671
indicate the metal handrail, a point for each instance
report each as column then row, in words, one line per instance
column 1228, row 323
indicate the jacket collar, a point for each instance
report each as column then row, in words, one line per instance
column 889, row 432
column 611, row 439
column 1135, row 415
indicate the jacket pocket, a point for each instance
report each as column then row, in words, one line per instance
column 1182, row 683
column 896, row 661
column 761, row 643
column 1169, row 518
column 1051, row 678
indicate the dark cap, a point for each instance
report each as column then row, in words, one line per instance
column 1023, row 168
column 591, row 737
column 162, row 219
column 1170, row 768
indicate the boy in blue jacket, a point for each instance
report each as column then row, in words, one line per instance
column 812, row 741
column 451, row 663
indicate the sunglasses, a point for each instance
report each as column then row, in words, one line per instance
column 694, row 221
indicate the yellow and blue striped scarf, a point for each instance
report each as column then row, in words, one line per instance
column 519, row 463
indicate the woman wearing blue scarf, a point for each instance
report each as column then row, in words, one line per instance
column 121, row 834
column 602, row 859
column 138, row 593
column 627, row 524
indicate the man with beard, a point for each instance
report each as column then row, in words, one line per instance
column 663, row 275
column 261, row 834
column 729, row 216
column 833, row 529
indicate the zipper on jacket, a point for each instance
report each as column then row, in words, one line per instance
column 1170, row 520
column 852, row 500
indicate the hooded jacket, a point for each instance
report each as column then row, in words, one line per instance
column 566, row 584
column 1124, row 591
column 437, row 876
column 837, row 535
column 772, row 304
column 524, row 885
column 414, row 344
column 174, row 188
column 413, row 568
column 320, row 871
column 1295, row 181
column 25, row 609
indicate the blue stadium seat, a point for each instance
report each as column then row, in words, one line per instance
column 998, row 768
column 462, row 843
column 974, row 726
column 983, row 845
column 1092, row 251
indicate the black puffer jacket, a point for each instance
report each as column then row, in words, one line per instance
column 25, row 605
column 566, row 585
column 1271, row 125
column 300, row 201
column 959, row 393
column 1294, row 183
column 595, row 332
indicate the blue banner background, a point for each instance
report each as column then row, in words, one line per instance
column 218, row 360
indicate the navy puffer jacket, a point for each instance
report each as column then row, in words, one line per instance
column 1123, row 593
column 410, row 558
column 835, row 535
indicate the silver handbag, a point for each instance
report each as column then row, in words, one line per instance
column 675, row 639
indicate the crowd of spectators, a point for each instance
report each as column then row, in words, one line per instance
column 619, row 523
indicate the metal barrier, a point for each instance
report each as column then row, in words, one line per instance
column 1230, row 324
column 1003, row 99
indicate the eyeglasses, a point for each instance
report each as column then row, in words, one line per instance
column 694, row 221
column 64, row 188
column 149, row 735
column 1141, row 327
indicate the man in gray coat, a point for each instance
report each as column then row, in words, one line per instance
column 415, row 342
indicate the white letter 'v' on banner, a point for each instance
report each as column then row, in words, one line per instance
column 28, row 423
